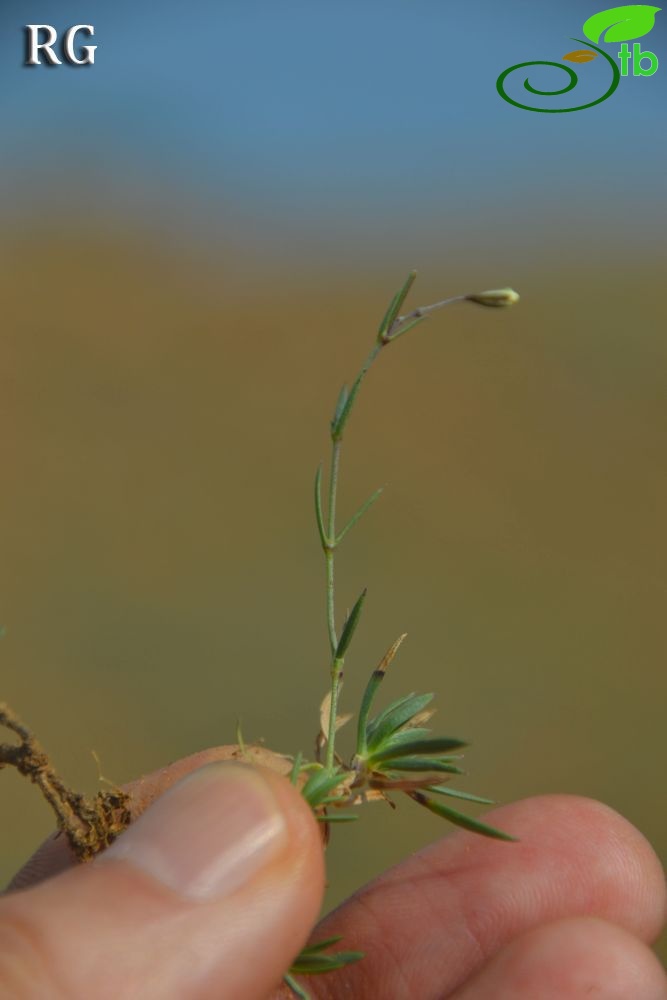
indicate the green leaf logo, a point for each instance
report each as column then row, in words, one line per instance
column 621, row 24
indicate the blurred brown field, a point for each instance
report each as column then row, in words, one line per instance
column 162, row 417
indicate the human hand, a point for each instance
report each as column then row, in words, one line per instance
column 567, row 913
column 214, row 890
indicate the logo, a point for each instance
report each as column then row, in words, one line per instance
column 619, row 24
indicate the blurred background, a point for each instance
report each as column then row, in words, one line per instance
column 199, row 235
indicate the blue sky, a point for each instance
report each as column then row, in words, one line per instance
column 303, row 111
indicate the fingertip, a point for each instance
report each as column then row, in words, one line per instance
column 575, row 958
column 608, row 864
column 305, row 834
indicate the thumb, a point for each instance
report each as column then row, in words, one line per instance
column 210, row 893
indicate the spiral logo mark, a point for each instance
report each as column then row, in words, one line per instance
column 573, row 80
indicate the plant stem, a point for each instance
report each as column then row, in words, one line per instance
column 421, row 311
column 336, row 675
column 331, row 545
column 329, row 552
column 296, row 989
column 390, row 329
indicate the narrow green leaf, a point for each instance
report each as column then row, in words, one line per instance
column 340, row 405
column 339, row 426
column 296, row 989
column 350, row 626
column 318, row 508
column 296, row 768
column 315, row 964
column 410, row 325
column 459, row 819
column 395, row 716
column 397, row 740
column 386, row 319
column 438, row 764
column 374, row 682
column 337, row 817
column 394, row 307
column 360, row 513
column 405, row 743
column 313, row 949
column 456, row 793
column 372, row 725
column 319, row 785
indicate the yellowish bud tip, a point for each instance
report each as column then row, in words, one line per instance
column 497, row 297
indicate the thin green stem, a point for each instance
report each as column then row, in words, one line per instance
column 333, row 488
column 331, row 545
column 331, row 619
column 336, row 675
column 391, row 327
column 296, row 989
column 339, row 425
column 420, row 313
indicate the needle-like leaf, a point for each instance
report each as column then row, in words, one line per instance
column 296, row 768
column 404, row 327
column 459, row 819
column 456, row 793
column 318, row 786
column 360, row 513
column 395, row 716
column 405, row 744
column 315, row 962
column 394, row 307
column 318, row 508
column 296, row 989
column 334, row 817
column 313, row 949
column 350, row 626
column 340, row 405
column 425, row 764
column 374, row 682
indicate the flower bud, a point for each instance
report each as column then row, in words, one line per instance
column 496, row 297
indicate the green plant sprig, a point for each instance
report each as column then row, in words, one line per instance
column 313, row 961
column 395, row 751
column 392, row 326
